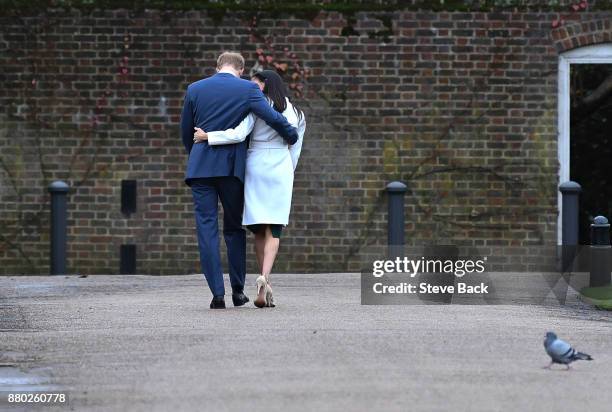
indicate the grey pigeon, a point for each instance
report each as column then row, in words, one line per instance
column 561, row 352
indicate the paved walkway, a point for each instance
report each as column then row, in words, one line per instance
column 145, row 343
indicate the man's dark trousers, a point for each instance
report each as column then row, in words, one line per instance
column 206, row 193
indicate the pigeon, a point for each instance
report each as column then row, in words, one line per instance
column 561, row 352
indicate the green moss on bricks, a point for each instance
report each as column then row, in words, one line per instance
column 391, row 159
column 386, row 33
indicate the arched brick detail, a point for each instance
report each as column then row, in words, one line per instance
column 579, row 34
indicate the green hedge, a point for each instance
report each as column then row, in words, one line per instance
column 292, row 6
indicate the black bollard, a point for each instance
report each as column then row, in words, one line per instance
column 58, row 190
column 395, row 234
column 127, row 260
column 601, row 252
column 570, row 193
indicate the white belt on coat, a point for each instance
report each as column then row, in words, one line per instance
column 267, row 145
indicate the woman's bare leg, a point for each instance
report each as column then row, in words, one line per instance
column 260, row 241
column 270, row 251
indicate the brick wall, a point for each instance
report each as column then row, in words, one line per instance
column 459, row 105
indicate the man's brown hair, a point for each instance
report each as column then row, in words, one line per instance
column 231, row 59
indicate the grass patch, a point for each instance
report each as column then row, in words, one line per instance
column 601, row 296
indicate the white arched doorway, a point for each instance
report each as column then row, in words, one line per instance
column 594, row 54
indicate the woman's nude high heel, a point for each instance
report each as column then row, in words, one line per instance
column 269, row 297
column 265, row 300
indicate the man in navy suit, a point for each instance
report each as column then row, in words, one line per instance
column 221, row 102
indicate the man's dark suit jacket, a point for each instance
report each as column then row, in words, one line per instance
column 221, row 102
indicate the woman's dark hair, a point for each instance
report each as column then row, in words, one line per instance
column 275, row 89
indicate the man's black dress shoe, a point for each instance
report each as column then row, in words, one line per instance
column 218, row 302
column 239, row 298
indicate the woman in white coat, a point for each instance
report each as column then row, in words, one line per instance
column 270, row 167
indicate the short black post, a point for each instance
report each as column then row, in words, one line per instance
column 601, row 252
column 395, row 240
column 59, row 191
column 570, row 193
column 127, row 260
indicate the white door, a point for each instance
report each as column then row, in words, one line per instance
column 596, row 54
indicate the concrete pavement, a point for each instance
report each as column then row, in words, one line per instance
column 146, row 343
